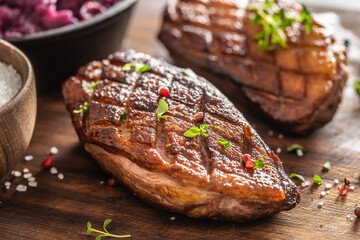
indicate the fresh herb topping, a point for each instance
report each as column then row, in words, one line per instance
column 188, row 72
column 133, row 66
column 274, row 21
column 104, row 233
column 259, row 164
column 297, row 176
column 84, row 108
column 216, row 127
column 162, row 109
column 92, row 86
column 194, row 131
column 327, row 166
column 294, row 147
column 123, row 117
column 225, row 143
column 317, row 180
column 357, row 86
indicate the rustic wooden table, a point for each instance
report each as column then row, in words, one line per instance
column 59, row 209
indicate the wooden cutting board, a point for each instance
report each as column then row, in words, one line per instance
column 59, row 209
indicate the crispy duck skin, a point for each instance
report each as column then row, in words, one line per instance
column 298, row 88
column 194, row 176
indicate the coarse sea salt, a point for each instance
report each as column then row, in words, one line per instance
column 10, row 82
column 21, row 188
column 29, row 157
column 54, row 150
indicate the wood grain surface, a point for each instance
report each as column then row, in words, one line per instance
column 59, row 209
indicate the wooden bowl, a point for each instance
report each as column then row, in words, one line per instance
column 17, row 116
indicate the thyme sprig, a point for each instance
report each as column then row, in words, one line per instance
column 274, row 21
column 104, row 233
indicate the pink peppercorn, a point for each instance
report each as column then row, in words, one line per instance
column 164, row 92
column 199, row 116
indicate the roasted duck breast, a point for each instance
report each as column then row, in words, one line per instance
column 297, row 84
column 175, row 140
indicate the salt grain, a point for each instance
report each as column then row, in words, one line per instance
column 54, row 150
column 322, row 194
column 21, row 188
column 32, row 184
column 172, row 218
column 352, row 187
column 53, row 170
column 271, row 133
column 10, row 82
column 29, row 157
column 25, row 170
column 101, row 182
column 328, row 186
column 31, row 179
column 17, row 174
column 336, row 181
column 280, row 136
column 7, row 184
column 61, row 176
column 278, row 150
column 327, row 192
column 299, row 153
column 27, row 175
column 320, row 204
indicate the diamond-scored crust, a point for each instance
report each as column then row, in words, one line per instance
column 158, row 146
column 306, row 78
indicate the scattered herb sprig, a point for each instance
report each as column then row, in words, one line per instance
column 357, row 86
column 135, row 66
column 104, row 233
column 92, row 86
column 123, row 117
column 274, row 21
column 162, row 109
column 188, row 72
column 225, row 143
column 297, row 176
column 194, row 131
column 84, row 108
column 294, row 147
column 317, row 180
column 259, row 163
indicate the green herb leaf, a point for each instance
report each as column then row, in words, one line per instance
column 88, row 231
column 194, row 131
column 123, row 117
column 133, row 66
column 106, row 222
column 92, row 86
column 188, row 72
column 317, row 180
column 294, row 147
column 274, row 21
column 216, row 127
column 225, row 143
column 99, row 237
column 298, row 176
column 162, row 109
column 259, row 164
column 84, row 108
column 357, row 86
column 327, row 166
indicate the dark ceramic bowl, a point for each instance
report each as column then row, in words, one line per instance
column 57, row 54
column 17, row 116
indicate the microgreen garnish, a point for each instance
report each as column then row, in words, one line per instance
column 225, row 143
column 357, row 86
column 84, row 108
column 216, row 127
column 194, row 131
column 317, row 180
column 274, row 21
column 105, row 233
column 294, row 147
column 327, row 166
column 259, row 164
column 298, row 176
column 162, row 109
column 92, row 86
column 134, row 66
column 123, row 117
column 188, row 72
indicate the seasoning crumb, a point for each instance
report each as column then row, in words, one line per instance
column 172, row 218
column 53, row 170
column 25, row 170
column 280, row 136
column 299, row 153
column 31, row 179
column 271, row 133
column 328, row 186
column 28, row 158
column 320, row 204
column 278, row 150
column 54, row 150
column 352, row 187
column 322, row 194
column 21, row 188
column 32, row 184
column 17, row 173
column 61, row 176
column 101, row 182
